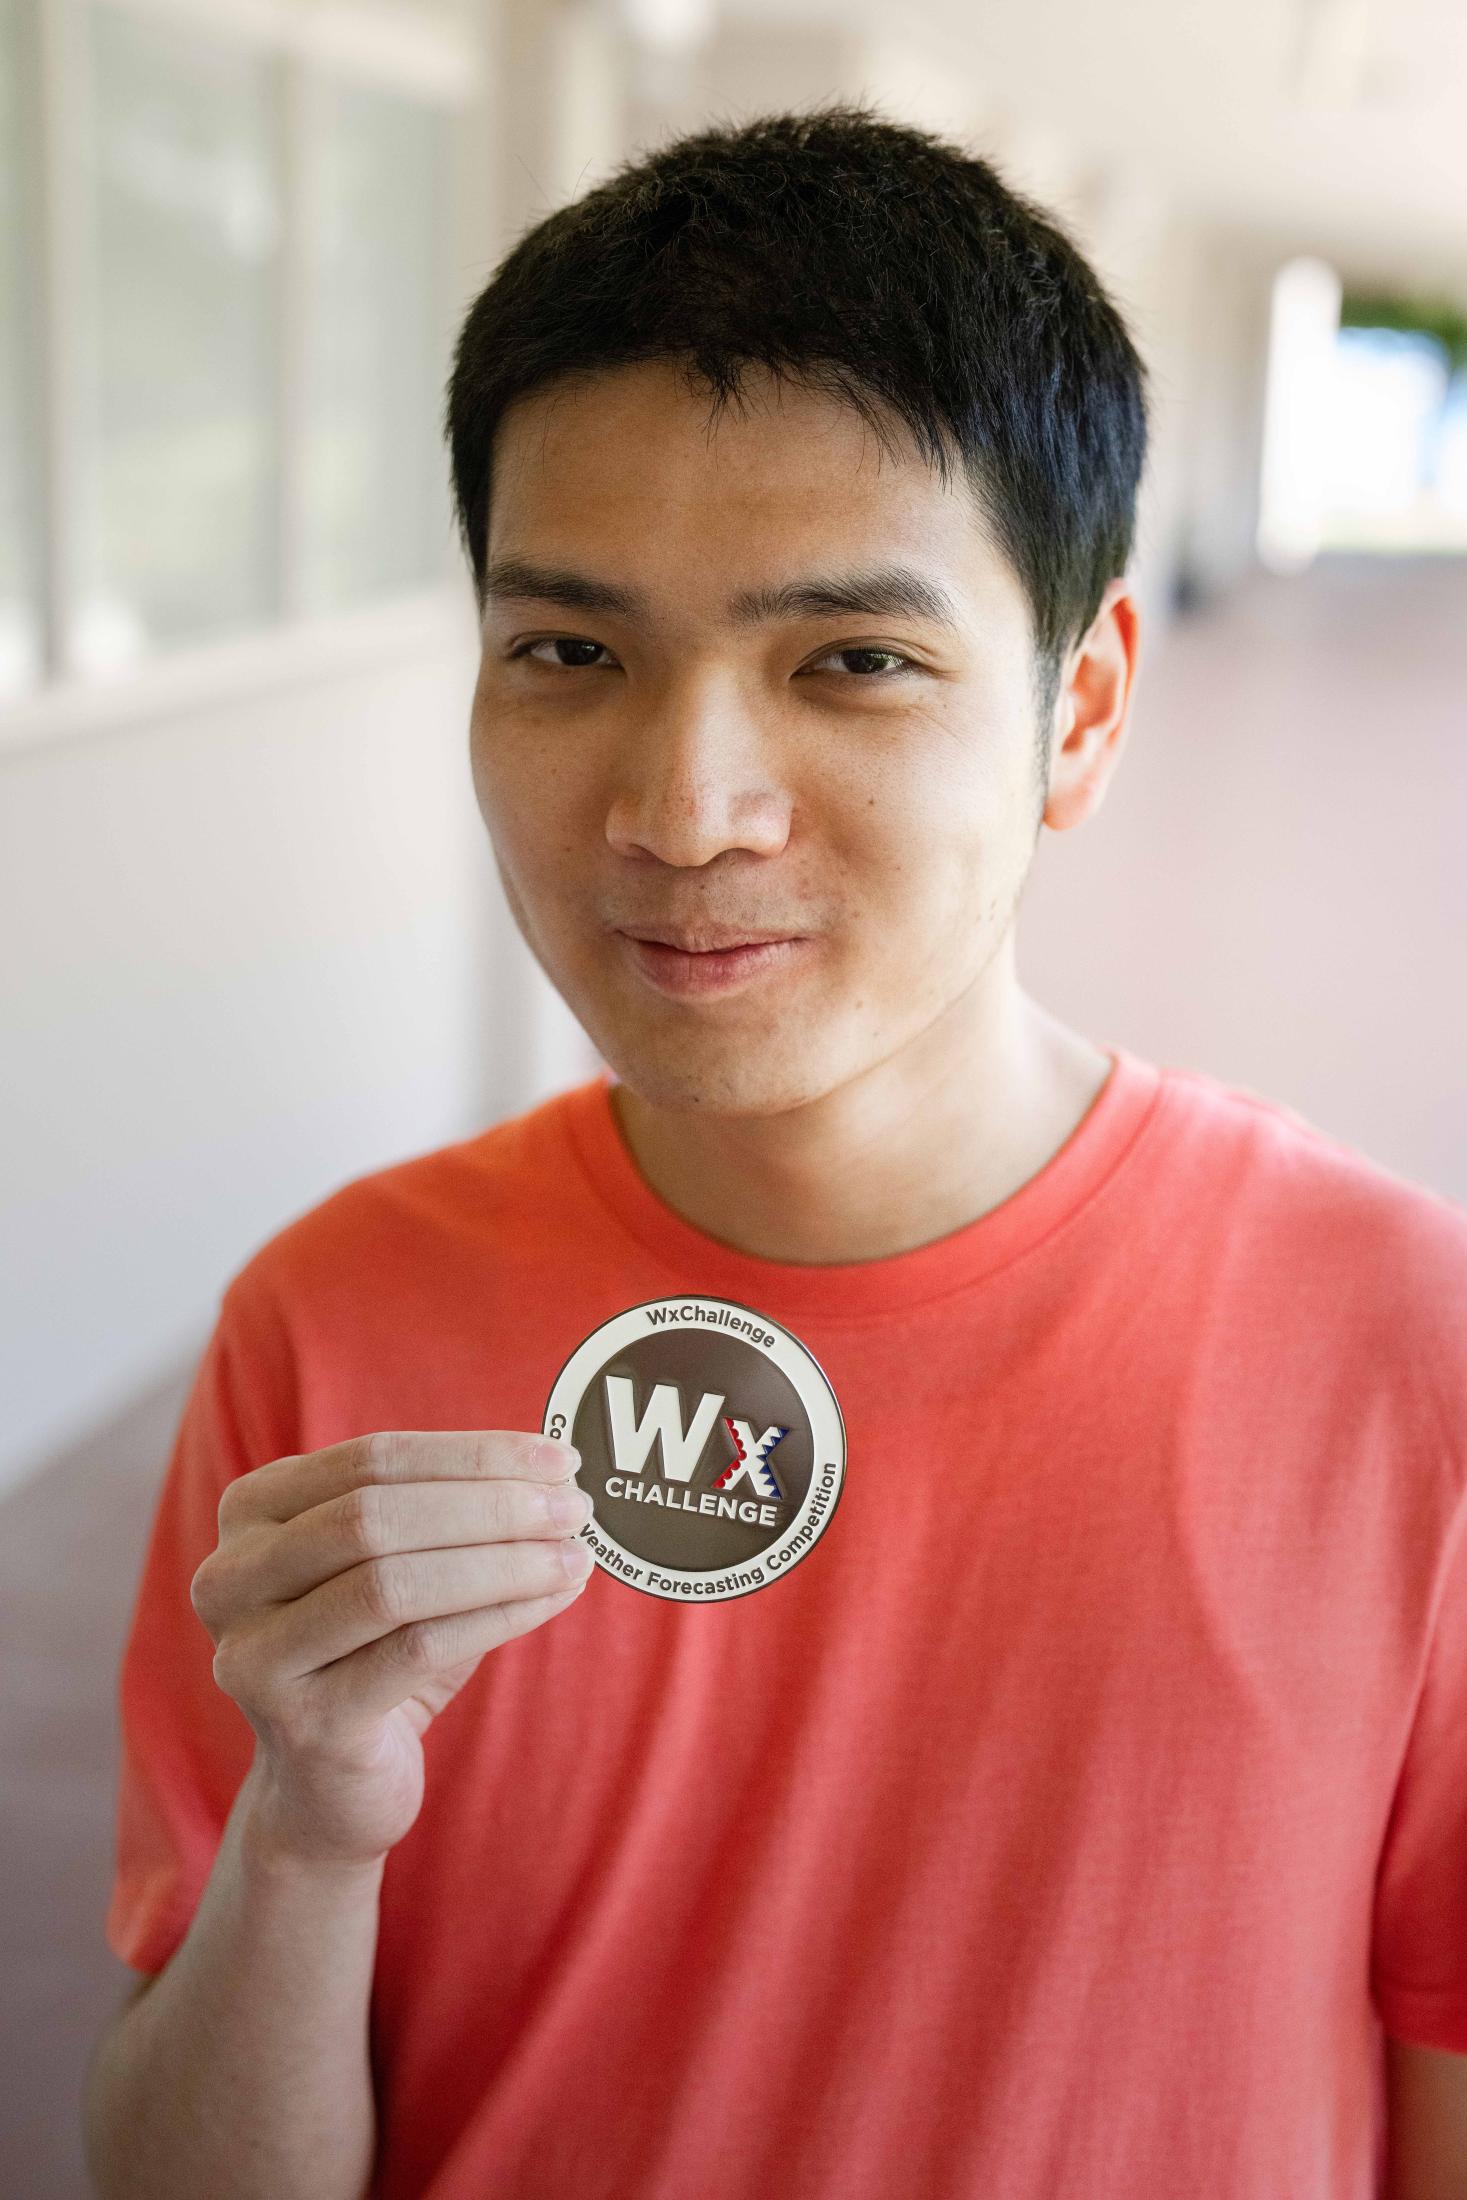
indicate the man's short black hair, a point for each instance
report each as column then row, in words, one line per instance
column 863, row 258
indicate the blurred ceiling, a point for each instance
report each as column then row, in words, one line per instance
column 1338, row 126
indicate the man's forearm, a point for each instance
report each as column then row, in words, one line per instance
column 243, row 2071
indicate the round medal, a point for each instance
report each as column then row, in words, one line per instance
column 712, row 1447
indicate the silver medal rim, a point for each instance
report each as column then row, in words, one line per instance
column 795, row 1360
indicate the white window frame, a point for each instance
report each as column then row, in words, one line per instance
column 384, row 44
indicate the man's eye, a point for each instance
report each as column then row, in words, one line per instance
column 893, row 664
column 560, row 641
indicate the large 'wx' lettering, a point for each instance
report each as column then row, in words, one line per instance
column 662, row 1423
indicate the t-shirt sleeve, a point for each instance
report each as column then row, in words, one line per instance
column 1419, row 1949
column 185, row 1745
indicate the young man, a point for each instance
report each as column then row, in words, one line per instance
column 1024, row 1753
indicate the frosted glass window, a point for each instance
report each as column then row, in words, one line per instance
column 20, row 549
column 185, row 182
column 376, row 509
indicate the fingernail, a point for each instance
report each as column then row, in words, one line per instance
column 577, row 1558
column 567, row 1505
column 550, row 1451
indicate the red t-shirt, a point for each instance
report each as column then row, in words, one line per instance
column 1064, row 1825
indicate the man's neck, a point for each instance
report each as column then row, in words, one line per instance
column 911, row 1151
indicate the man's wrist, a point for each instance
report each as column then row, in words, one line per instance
column 267, row 1851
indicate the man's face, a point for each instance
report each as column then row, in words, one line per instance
column 863, row 780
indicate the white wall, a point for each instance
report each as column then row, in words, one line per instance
column 247, row 950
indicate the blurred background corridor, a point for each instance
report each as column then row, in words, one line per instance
column 251, row 939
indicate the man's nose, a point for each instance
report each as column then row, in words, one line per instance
column 696, row 775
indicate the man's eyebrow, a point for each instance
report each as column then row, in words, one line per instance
column 888, row 591
column 518, row 578
column 892, row 591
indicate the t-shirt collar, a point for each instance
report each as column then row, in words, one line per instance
column 859, row 1289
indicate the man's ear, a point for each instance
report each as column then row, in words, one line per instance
column 1091, row 708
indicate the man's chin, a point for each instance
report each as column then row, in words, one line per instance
column 709, row 1080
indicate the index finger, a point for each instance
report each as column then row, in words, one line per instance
column 292, row 1485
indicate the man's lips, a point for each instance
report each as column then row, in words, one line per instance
column 707, row 939
column 682, row 971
